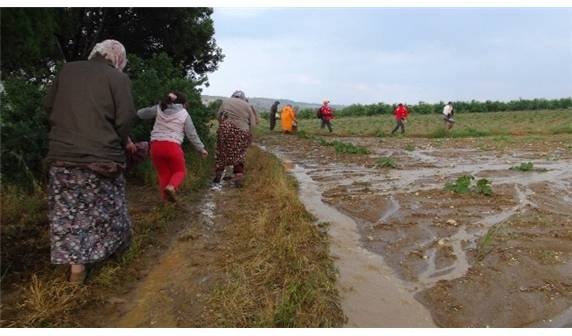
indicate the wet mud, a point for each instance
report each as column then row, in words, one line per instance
column 473, row 260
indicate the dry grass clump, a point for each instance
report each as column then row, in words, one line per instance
column 280, row 272
column 50, row 303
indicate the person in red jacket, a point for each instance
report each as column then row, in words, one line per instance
column 401, row 114
column 326, row 114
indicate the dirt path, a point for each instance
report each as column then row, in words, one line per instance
column 173, row 293
column 518, row 275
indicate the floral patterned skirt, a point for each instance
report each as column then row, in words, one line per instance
column 231, row 146
column 88, row 215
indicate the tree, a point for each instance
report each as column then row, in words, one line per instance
column 37, row 38
column 184, row 34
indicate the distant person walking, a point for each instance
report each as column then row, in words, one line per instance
column 90, row 108
column 448, row 112
column 401, row 112
column 272, row 116
column 236, row 128
column 172, row 123
column 326, row 114
column 287, row 119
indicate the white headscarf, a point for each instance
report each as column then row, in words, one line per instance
column 113, row 51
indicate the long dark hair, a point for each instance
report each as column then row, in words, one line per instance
column 173, row 97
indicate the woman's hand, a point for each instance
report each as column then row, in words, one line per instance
column 204, row 153
column 131, row 148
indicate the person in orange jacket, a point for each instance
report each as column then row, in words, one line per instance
column 287, row 119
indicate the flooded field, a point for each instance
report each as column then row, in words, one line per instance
column 472, row 260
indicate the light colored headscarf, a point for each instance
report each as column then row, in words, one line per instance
column 113, row 51
column 239, row 94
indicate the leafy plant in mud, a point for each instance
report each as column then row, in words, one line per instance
column 461, row 185
column 484, row 245
column 386, row 162
column 464, row 184
column 483, row 186
column 524, row 166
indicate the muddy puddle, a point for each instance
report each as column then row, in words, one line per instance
column 472, row 260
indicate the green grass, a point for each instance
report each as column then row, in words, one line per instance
column 524, row 166
column 527, row 167
column 386, row 162
column 540, row 122
column 344, row 147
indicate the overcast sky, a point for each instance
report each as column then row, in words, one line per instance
column 370, row 55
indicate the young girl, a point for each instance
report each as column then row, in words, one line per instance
column 172, row 123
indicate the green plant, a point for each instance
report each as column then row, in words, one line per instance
column 349, row 148
column 484, row 245
column 483, row 186
column 461, row 185
column 386, row 162
column 524, row 166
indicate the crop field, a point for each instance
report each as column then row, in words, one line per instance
column 476, row 224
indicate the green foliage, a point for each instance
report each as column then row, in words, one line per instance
column 24, row 133
column 524, row 166
column 464, row 184
column 380, row 133
column 461, row 185
column 349, row 148
column 28, row 43
column 483, row 187
column 484, row 245
column 386, row 162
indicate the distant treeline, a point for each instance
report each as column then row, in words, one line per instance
column 460, row 107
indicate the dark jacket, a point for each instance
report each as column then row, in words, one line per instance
column 90, row 109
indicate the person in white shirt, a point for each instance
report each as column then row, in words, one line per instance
column 448, row 113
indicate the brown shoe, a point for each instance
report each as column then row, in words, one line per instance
column 170, row 193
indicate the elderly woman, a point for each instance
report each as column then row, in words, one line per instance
column 237, row 120
column 90, row 110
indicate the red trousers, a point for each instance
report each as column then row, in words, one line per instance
column 169, row 161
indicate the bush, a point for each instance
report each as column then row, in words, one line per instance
column 24, row 133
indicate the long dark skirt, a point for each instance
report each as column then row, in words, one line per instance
column 88, row 215
column 231, row 146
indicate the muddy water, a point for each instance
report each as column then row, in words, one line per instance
column 372, row 296
column 430, row 238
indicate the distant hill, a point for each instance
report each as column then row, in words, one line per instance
column 264, row 104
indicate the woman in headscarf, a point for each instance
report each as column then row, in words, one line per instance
column 287, row 119
column 237, row 120
column 90, row 109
